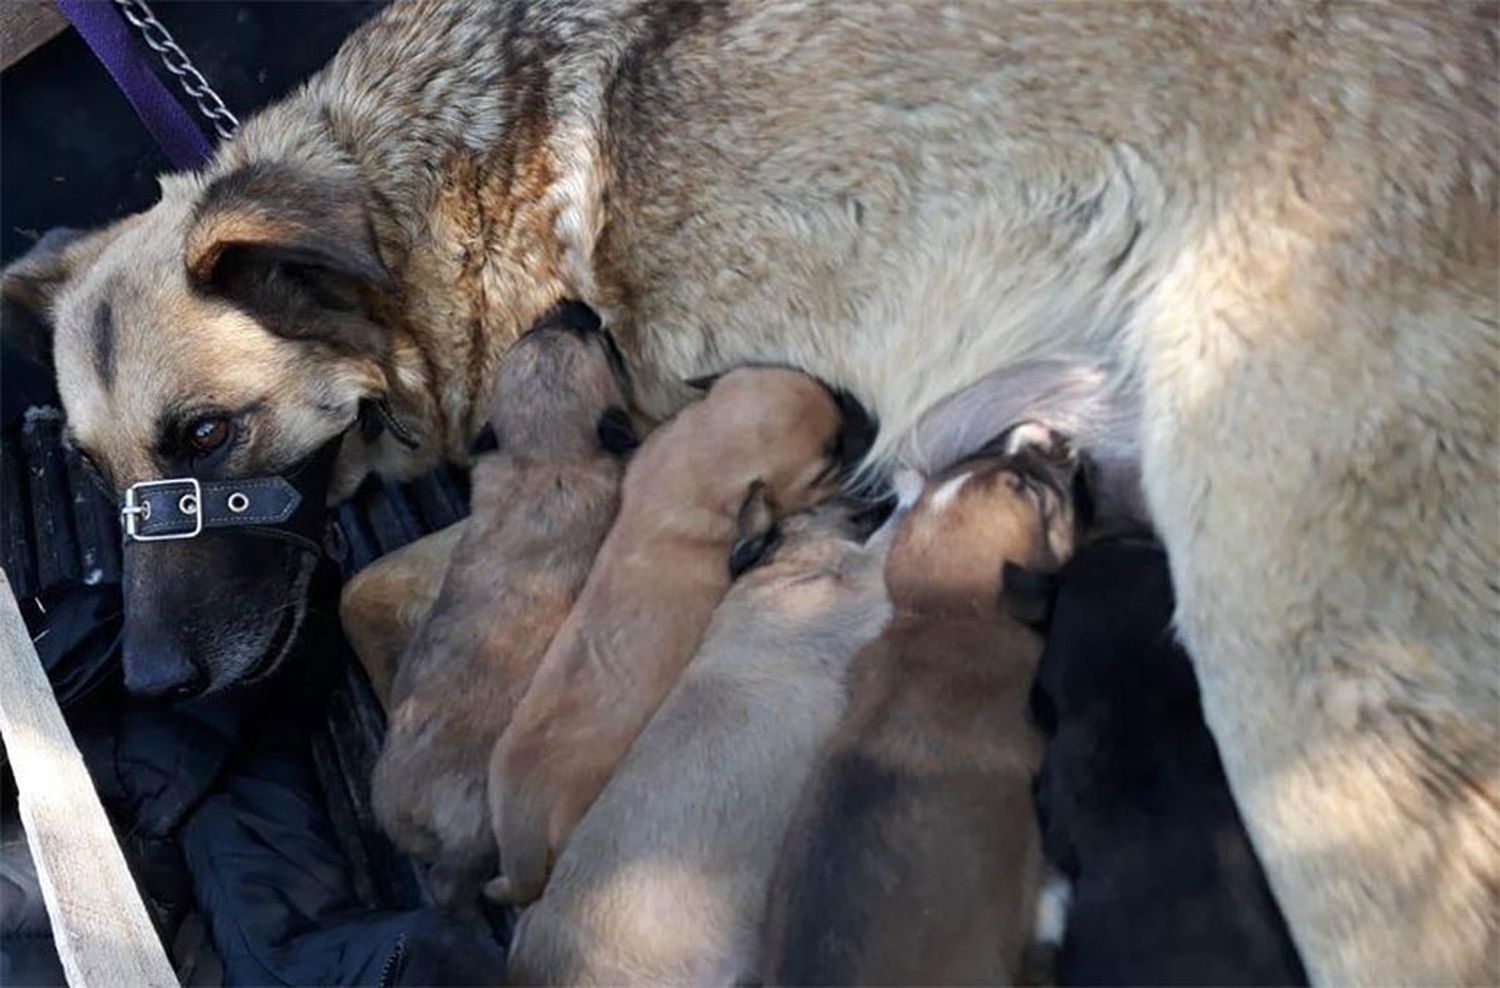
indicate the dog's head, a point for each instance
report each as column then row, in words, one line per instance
column 996, row 519
column 563, row 389
column 231, row 331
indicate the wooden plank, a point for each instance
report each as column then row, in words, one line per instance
column 104, row 936
column 26, row 25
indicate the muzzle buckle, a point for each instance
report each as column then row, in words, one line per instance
column 137, row 509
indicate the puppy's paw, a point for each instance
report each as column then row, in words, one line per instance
column 499, row 891
column 1033, row 436
column 908, row 484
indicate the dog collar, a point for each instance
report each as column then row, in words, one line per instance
column 290, row 507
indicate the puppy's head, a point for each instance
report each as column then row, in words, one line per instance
column 233, row 330
column 1111, row 636
column 781, row 428
column 562, row 389
column 997, row 518
column 764, row 443
column 823, row 573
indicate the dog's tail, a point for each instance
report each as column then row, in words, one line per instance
column 520, row 820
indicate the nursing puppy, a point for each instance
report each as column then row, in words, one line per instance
column 700, row 502
column 1093, row 404
column 1134, row 807
column 383, row 605
column 915, row 858
column 665, row 879
column 541, row 506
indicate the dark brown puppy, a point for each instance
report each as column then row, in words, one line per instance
column 914, row 857
column 701, row 499
column 541, row 506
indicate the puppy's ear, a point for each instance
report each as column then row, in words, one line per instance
column 1027, row 595
column 570, row 314
column 857, row 430
column 757, row 531
column 486, row 442
column 295, row 249
column 617, row 432
column 1027, row 435
column 702, row 383
column 31, row 283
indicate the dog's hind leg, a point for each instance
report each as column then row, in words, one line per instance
column 1320, row 455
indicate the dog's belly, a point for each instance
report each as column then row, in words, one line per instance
column 902, row 233
column 904, row 304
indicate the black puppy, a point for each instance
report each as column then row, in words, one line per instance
column 1132, row 799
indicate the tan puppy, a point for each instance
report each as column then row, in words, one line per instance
column 915, row 857
column 700, row 502
column 383, row 605
column 665, row 879
column 1278, row 222
column 541, row 506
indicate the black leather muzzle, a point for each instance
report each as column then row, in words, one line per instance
column 290, row 507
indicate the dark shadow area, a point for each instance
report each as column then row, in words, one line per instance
column 73, row 153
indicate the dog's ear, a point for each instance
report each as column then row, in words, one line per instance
column 617, row 432
column 757, row 533
column 857, row 430
column 31, row 283
column 294, row 249
column 1027, row 595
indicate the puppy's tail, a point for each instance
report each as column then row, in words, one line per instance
column 521, row 834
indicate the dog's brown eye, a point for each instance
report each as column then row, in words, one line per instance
column 208, row 434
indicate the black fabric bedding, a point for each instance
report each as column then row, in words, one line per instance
column 249, row 808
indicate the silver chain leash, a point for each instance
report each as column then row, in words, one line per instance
column 160, row 40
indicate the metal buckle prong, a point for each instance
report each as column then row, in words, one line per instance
column 141, row 510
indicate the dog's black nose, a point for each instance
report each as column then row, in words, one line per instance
column 159, row 667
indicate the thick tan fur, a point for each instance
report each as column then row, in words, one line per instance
column 759, row 445
column 1278, row 221
column 915, row 857
column 540, row 509
column 665, row 879
column 383, row 605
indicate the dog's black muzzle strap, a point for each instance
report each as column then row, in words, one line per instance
column 291, row 507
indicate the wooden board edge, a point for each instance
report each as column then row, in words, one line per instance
column 103, row 933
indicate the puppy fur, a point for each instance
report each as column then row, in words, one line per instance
column 1133, row 803
column 1279, row 222
column 915, row 857
column 708, row 485
column 665, row 879
column 384, row 604
column 541, row 506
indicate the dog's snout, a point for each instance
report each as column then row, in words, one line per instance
column 159, row 666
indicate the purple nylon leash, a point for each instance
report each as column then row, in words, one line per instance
column 108, row 36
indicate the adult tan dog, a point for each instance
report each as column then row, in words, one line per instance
column 1279, row 220
column 700, row 503
column 665, row 879
column 915, row 856
column 541, row 506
